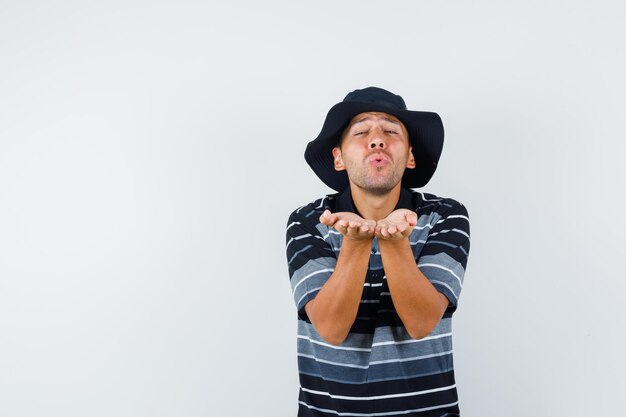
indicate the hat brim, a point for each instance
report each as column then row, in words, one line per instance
column 425, row 135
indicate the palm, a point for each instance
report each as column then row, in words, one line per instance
column 349, row 224
column 398, row 224
column 346, row 217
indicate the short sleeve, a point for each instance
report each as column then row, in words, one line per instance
column 310, row 259
column 444, row 257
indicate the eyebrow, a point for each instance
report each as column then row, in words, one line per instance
column 366, row 118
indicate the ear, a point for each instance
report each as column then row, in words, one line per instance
column 410, row 163
column 338, row 162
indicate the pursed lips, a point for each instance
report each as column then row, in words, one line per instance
column 378, row 159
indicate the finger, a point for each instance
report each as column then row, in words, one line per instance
column 356, row 229
column 327, row 218
column 398, row 236
column 365, row 235
column 354, row 224
column 341, row 225
column 353, row 231
column 411, row 218
column 379, row 227
column 340, row 228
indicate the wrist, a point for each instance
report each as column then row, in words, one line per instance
column 357, row 242
column 394, row 243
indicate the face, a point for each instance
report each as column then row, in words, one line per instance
column 375, row 151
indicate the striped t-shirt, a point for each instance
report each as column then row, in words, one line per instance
column 379, row 370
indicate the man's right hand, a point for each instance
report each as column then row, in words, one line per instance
column 334, row 309
column 350, row 225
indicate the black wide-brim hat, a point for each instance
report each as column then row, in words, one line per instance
column 425, row 135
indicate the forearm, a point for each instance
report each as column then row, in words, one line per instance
column 418, row 303
column 334, row 308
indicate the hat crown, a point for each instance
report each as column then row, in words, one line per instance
column 376, row 95
column 425, row 132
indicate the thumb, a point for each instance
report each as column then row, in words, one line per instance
column 326, row 217
column 411, row 217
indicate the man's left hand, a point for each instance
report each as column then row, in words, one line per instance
column 398, row 225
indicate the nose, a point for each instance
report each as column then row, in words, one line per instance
column 377, row 140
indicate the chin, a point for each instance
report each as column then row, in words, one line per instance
column 379, row 189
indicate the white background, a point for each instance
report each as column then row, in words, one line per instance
column 150, row 153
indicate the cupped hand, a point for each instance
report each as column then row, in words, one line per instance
column 398, row 225
column 349, row 224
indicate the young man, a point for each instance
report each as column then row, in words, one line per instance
column 376, row 270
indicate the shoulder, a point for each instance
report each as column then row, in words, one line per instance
column 310, row 213
column 305, row 232
column 427, row 203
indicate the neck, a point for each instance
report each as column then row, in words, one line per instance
column 374, row 207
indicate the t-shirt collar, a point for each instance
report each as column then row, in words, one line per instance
column 345, row 203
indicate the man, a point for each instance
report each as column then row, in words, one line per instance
column 376, row 270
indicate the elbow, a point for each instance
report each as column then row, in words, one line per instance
column 335, row 341
column 420, row 332
column 334, row 338
column 424, row 326
column 417, row 334
column 327, row 328
column 331, row 332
